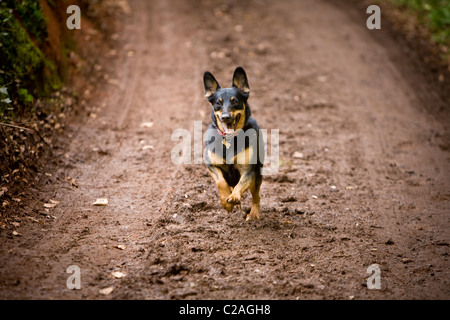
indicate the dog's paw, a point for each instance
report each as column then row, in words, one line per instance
column 228, row 206
column 234, row 199
column 253, row 215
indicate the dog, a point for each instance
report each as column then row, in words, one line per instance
column 233, row 153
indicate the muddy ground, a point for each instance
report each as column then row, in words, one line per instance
column 363, row 176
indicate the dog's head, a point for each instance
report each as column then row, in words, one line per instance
column 230, row 111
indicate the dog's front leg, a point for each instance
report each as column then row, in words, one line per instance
column 248, row 180
column 222, row 185
column 245, row 182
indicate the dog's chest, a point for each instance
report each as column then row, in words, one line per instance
column 230, row 156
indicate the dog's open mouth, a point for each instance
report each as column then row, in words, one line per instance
column 230, row 127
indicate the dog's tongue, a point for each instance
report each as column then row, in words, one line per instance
column 226, row 129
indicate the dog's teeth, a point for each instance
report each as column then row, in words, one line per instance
column 226, row 129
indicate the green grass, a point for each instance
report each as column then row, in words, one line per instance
column 434, row 14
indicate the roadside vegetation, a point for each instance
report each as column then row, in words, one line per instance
column 39, row 57
column 29, row 72
column 434, row 14
column 26, row 73
column 429, row 18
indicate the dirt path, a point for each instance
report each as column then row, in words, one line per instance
column 369, row 183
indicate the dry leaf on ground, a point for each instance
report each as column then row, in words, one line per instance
column 101, row 202
column 106, row 291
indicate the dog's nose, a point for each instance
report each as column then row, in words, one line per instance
column 226, row 117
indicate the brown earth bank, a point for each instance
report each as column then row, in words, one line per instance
column 363, row 176
column 28, row 130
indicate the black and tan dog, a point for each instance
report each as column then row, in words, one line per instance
column 233, row 152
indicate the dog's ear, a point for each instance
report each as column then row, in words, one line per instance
column 240, row 81
column 211, row 85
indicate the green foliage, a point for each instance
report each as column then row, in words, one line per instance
column 24, row 70
column 19, row 55
column 25, row 96
column 30, row 15
column 435, row 14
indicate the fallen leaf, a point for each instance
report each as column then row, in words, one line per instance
column 15, row 233
column 118, row 274
column 147, row 124
column 49, row 205
column 101, row 202
column 147, row 147
column 54, row 201
column 34, row 220
column 106, row 291
column 298, row 155
column 120, row 246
